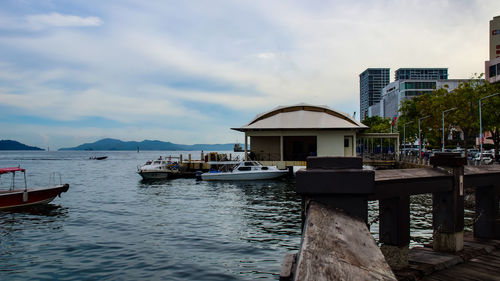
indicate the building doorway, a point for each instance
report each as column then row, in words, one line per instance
column 348, row 146
column 299, row 147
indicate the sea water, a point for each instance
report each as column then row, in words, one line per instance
column 111, row 225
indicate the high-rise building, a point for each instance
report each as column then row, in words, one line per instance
column 495, row 38
column 421, row 74
column 404, row 89
column 492, row 67
column 371, row 83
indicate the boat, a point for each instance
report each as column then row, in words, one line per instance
column 98, row 157
column 27, row 197
column 242, row 170
column 158, row 169
column 238, row 148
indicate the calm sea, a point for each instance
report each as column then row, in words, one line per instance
column 112, row 226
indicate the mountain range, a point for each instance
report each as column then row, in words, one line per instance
column 15, row 145
column 114, row 144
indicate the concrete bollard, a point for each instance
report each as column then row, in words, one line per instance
column 448, row 206
column 336, row 242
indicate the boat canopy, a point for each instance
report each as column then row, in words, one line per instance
column 11, row 170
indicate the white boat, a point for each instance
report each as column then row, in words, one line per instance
column 247, row 170
column 157, row 169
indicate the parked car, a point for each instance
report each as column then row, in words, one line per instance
column 487, row 158
column 471, row 153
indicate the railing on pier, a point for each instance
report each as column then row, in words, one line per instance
column 330, row 184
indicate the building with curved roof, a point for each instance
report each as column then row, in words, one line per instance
column 291, row 133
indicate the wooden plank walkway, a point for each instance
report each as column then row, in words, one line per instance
column 480, row 260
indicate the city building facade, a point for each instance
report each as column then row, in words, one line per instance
column 371, row 83
column 421, row 74
column 394, row 94
column 492, row 67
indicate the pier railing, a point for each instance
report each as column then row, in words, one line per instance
column 338, row 187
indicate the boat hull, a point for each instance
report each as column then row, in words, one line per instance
column 154, row 175
column 24, row 198
column 242, row 176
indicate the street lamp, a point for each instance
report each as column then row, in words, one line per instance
column 404, row 133
column 481, row 128
column 420, row 140
column 451, row 109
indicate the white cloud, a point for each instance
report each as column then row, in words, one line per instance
column 311, row 51
column 59, row 20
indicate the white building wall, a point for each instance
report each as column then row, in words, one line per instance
column 329, row 143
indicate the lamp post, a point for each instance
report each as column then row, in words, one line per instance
column 481, row 128
column 404, row 133
column 420, row 140
column 451, row 109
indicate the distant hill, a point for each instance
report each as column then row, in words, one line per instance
column 114, row 144
column 15, row 145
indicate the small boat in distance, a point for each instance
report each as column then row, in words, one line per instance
column 158, row 169
column 238, row 148
column 246, row 170
column 98, row 157
column 27, row 197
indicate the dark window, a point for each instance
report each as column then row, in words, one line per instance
column 493, row 71
column 346, row 142
column 244, row 168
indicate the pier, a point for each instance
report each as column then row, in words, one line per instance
column 337, row 244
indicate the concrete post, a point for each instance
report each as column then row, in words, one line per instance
column 448, row 206
column 339, row 182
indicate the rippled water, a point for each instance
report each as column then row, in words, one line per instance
column 112, row 226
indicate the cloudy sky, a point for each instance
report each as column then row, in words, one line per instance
column 187, row 71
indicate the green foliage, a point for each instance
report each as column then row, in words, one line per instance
column 465, row 98
column 378, row 124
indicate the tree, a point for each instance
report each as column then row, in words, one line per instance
column 377, row 124
column 491, row 113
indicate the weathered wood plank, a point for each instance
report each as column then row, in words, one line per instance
column 287, row 267
column 337, row 247
column 466, row 273
column 484, row 267
column 414, row 173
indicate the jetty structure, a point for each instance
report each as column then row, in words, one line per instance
column 337, row 244
column 286, row 135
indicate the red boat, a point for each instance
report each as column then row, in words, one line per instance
column 16, row 198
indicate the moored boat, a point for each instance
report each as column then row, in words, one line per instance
column 18, row 198
column 158, row 169
column 98, row 157
column 246, row 170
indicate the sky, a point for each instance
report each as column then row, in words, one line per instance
column 74, row 72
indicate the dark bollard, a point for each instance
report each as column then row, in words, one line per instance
column 339, row 182
column 394, row 230
column 448, row 206
column 336, row 243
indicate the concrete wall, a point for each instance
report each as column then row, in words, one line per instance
column 330, row 142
